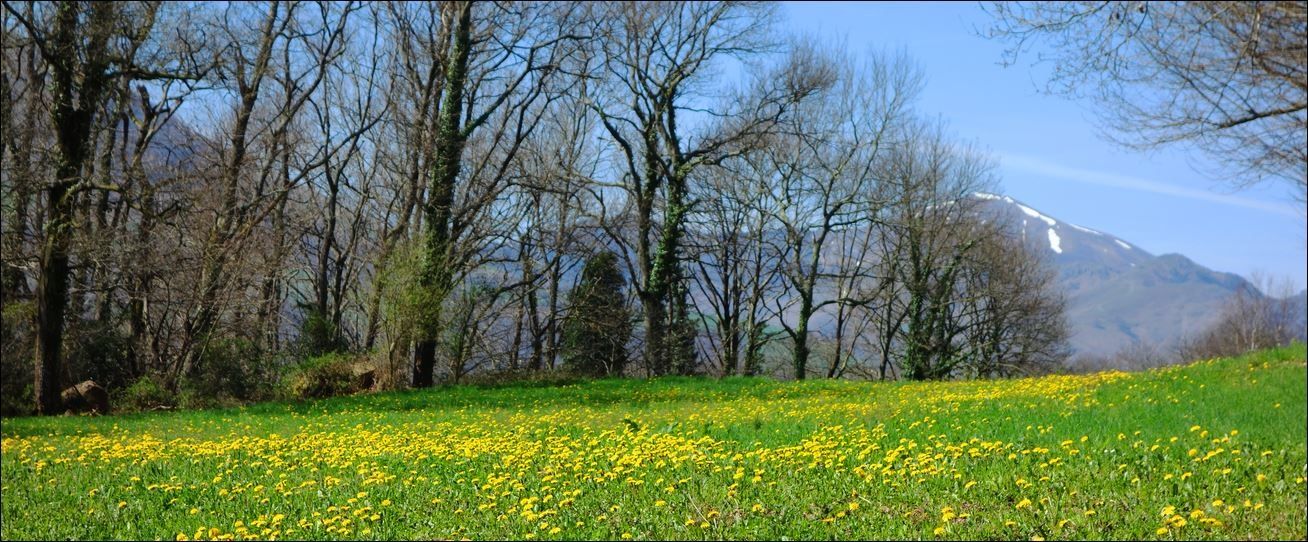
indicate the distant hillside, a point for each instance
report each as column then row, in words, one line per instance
column 1117, row 293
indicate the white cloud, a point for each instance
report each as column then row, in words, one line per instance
column 1041, row 167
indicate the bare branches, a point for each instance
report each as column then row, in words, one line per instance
column 230, row 188
column 1227, row 78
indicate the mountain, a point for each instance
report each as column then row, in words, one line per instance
column 1118, row 294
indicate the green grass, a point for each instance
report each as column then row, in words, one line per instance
column 1219, row 445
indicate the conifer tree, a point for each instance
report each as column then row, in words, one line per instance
column 598, row 324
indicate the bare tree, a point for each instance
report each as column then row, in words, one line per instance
column 198, row 196
column 658, row 59
column 555, row 169
column 1262, row 314
column 1011, row 314
column 927, row 249
column 733, row 270
column 825, row 181
column 496, row 71
column 257, row 168
column 82, row 47
column 347, row 105
column 1229, row 78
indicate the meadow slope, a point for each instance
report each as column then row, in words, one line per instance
column 1210, row 450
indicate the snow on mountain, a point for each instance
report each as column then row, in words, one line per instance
column 1117, row 293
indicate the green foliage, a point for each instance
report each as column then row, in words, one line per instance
column 328, row 375
column 145, row 394
column 319, row 335
column 16, row 352
column 598, row 324
column 229, row 370
column 98, row 351
column 403, row 297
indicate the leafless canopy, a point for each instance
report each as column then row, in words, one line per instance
column 214, row 200
column 1228, row 78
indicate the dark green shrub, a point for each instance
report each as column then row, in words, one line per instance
column 231, row 370
column 323, row 376
column 598, row 324
column 522, row 377
column 98, row 351
column 318, row 335
column 16, row 353
column 145, row 394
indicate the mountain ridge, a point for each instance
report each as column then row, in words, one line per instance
column 1118, row 294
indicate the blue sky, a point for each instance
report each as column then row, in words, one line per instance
column 1049, row 152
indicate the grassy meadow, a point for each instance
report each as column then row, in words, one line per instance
column 1209, row 450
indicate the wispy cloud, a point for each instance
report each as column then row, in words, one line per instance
column 1041, row 167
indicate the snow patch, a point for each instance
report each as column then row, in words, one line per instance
column 1054, row 242
column 1036, row 214
column 1124, row 245
column 984, row 195
column 1084, row 229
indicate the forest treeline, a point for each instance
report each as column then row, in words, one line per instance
column 218, row 201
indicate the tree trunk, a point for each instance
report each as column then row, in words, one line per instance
column 664, row 282
column 654, row 333
column 52, row 293
column 438, row 275
column 72, row 125
column 800, row 357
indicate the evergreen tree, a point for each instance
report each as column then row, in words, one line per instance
column 598, row 324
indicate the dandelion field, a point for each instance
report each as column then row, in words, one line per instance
column 1211, row 450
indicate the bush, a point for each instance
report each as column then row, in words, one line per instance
column 231, row 370
column 16, row 353
column 318, row 335
column 323, row 376
column 145, row 394
column 97, row 351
